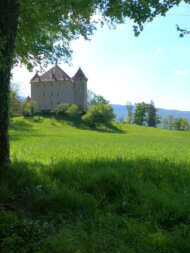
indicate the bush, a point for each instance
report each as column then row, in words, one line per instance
column 73, row 111
column 34, row 107
column 61, row 109
column 29, row 108
column 181, row 124
column 101, row 114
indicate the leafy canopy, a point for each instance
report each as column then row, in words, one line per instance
column 101, row 114
column 46, row 28
column 94, row 99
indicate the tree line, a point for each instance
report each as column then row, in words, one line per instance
column 146, row 115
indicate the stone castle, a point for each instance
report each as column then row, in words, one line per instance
column 56, row 87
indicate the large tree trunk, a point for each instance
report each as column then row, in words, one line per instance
column 8, row 29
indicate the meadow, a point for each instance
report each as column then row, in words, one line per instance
column 74, row 189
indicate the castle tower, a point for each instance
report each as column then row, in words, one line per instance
column 80, row 89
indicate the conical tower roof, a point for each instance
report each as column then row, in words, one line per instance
column 80, row 74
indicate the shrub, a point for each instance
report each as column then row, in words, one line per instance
column 101, row 114
column 61, row 109
column 34, row 107
column 73, row 111
column 29, row 108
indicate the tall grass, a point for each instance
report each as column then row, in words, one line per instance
column 75, row 189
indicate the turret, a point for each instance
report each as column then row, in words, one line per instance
column 80, row 89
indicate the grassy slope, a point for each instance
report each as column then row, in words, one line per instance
column 124, row 190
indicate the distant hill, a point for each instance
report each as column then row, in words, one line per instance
column 120, row 110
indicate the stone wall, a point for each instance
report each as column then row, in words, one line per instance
column 80, row 93
column 49, row 95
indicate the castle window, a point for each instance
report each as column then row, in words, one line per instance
column 37, row 85
column 52, row 84
column 58, row 102
column 57, row 94
column 44, row 85
column 43, row 94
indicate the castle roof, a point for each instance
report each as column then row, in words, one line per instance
column 53, row 74
column 79, row 74
column 35, row 78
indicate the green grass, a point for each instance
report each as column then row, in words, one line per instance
column 74, row 189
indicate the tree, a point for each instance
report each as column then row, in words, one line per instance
column 37, row 31
column 170, row 119
column 73, row 111
column 129, row 118
column 151, row 115
column 140, row 117
column 185, row 125
column 61, row 109
column 100, row 114
column 121, row 119
column 29, row 107
column 165, row 124
column 180, row 124
column 94, row 99
column 14, row 103
column 152, row 118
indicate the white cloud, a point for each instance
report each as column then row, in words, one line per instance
column 158, row 50
column 181, row 72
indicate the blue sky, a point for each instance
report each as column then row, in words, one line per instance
column 121, row 67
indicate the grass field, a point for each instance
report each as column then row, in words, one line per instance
column 74, row 189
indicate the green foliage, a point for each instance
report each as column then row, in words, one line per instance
column 34, row 107
column 35, row 41
column 140, row 117
column 61, row 109
column 170, row 119
column 73, row 111
column 129, row 117
column 25, row 108
column 152, row 118
column 164, row 123
column 151, row 115
column 29, row 107
column 121, row 119
column 14, row 103
column 94, row 99
column 20, row 235
column 180, row 124
column 175, row 123
column 145, row 115
column 100, row 114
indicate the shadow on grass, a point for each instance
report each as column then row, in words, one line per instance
column 140, row 202
column 24, row 127
column 145, row 189
column 79, row 124
column 36, row 119
column 20, row 126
